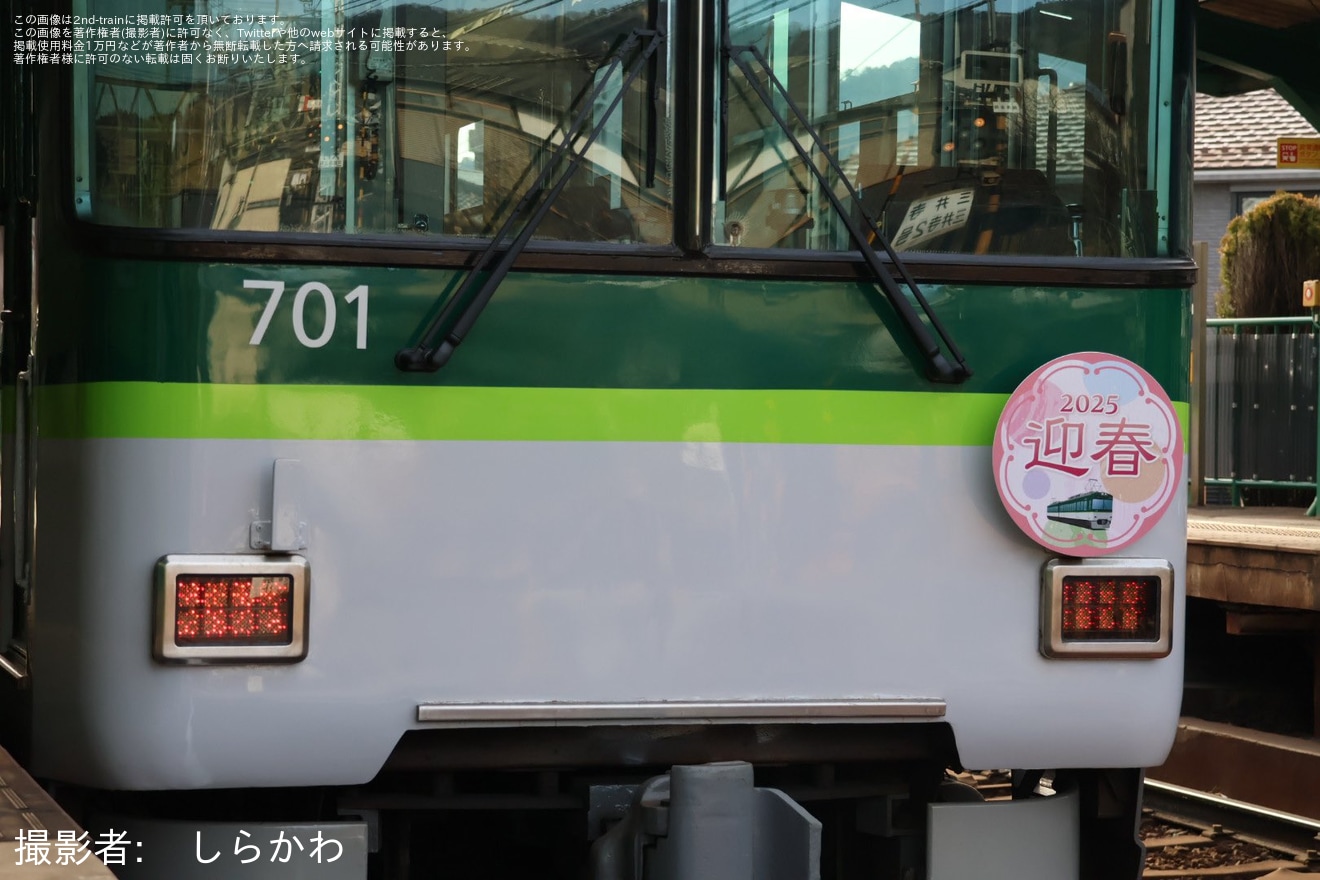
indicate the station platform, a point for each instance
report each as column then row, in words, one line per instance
column 1255, row 556
column 58, row 850
column 1263, row 564
column 1278, row 772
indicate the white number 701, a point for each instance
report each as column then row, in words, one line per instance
column 357, row 295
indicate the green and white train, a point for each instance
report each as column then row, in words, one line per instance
column 689, row 560
column 1093, row 510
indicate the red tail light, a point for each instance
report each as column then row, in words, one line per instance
column 1107, row 608
column 231, row 608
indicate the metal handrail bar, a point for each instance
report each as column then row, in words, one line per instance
column 1259, row 322
column 1261, row 484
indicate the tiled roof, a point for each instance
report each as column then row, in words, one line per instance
column 1240, row 131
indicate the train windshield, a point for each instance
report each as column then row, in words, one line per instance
column 366, row 116
column 968, row 126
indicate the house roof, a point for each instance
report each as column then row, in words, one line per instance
column 1239, row 131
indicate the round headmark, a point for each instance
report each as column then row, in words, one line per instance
column 1088, row 454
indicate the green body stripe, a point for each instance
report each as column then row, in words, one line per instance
column 348, row 412
column 173, row 322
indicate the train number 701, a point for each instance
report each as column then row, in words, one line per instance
column 357, row 295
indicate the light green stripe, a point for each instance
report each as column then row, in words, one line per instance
column 378, row 412
column 381, row 412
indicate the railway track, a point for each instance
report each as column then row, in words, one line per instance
column 1193, row 834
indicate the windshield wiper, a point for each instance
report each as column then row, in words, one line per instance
column 938, row 367
column 448, row 329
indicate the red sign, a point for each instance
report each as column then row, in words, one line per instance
column 1298, row 152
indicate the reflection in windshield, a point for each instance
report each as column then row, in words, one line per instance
column 969, row 127
column 418, row 118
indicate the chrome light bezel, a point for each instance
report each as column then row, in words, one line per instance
column 170, row 568
column 1052, row 643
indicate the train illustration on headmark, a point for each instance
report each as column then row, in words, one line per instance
column 1092, row 509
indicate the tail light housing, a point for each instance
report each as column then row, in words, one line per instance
column 1103, row 608
column 218, row 609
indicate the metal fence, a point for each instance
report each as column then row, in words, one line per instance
column 1260, row 413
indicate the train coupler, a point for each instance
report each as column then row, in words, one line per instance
column 709, row 822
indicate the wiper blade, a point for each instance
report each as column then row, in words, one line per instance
column 437, row 344
column 938, row 367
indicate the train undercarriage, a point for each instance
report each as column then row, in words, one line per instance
column 560, row 803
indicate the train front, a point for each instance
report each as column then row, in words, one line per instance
column 608, row 436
